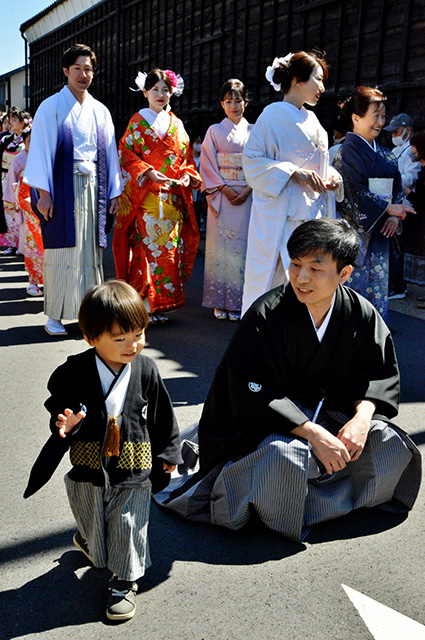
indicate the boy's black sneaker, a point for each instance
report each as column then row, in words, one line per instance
column 121, row 599
column 82, row 545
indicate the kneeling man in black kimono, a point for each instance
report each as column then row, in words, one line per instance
column 295, row 426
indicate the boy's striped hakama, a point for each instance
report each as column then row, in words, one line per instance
column 114, row 522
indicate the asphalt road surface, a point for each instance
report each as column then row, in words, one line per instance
column 206, row 583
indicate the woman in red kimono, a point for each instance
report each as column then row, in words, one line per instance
column 34, row 250
column 156, row 234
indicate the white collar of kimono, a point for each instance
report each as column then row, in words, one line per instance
column 72, row 102
column 160, row 122
column 84, row 130
column 297, row 111
column 373, row 147
column 290, row 106
column 320, row 332
column 114, row 386
column 226, row 122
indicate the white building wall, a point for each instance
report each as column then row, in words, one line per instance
column 57, row 17
column 17, row 96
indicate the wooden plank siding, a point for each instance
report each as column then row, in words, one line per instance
column 373, row 42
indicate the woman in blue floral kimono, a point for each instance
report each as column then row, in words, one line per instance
column 372, row 192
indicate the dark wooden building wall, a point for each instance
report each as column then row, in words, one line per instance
column 373, row 42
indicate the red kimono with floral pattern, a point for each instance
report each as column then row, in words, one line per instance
column 156, row 234
column 34, row 250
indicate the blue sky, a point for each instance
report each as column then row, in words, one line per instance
column 12, row 50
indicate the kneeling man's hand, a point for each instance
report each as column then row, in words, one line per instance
column 330, row 450
column 354, row 433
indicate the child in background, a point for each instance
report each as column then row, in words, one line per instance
column 110, row 407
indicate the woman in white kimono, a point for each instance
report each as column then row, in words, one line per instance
column 286, row 162
column 229, row 204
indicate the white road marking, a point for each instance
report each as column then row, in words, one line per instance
column 383, row 622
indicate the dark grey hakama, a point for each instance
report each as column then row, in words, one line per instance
column 270, row 380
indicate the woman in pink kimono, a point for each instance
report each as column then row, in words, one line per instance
column 229, row 204
column 10, row 147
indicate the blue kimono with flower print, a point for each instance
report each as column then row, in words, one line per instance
column 357, row 162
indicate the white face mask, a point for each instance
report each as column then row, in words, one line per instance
column 399, row 140
column 197, row 147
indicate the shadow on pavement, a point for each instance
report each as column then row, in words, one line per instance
column 70, row 595
column 12, row 263
column 171, row 538
column 58, row 598
column 22, row 307
column 408, row 334
column 357, row 524
column 33, row 546
column 12, row 294
column 35, row 334
column 418, row 438
column 14, row 278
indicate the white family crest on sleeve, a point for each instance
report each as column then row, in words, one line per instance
column 254, row 386
column 144, row 411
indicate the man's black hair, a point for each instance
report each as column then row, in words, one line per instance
column 75, row 51
column 331, row 237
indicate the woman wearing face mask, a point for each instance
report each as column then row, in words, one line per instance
column 229, row 204
column 286, row 162
column 373, row 192
column 156, row 235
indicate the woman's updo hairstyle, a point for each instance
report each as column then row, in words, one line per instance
column 235, row 88
column 358, row 103
column 300, row 66
column 156, row 75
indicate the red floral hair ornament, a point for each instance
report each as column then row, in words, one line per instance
column 177, row 82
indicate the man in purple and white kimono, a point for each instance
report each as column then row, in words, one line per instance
column 74, row 168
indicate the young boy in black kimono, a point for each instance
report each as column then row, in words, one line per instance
column 110, row 407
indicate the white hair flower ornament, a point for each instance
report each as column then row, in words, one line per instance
column 277, row 62
column 177, row 82
column 140, row 81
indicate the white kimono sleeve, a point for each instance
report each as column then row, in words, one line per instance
column 42, row 152
column 266, row 176
column 115, row 186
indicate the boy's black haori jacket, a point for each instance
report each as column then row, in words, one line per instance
column 149, row 434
